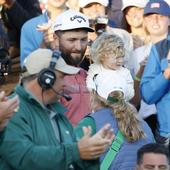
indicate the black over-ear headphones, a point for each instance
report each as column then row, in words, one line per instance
column 47, row 76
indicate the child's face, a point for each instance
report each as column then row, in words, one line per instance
column 112, row 62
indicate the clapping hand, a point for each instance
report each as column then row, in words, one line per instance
column 7, row 3
column 50, row 39
column 91, row 147
column 7, row 108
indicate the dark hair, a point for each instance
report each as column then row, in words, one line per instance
column 151, row 148
column 124, row 22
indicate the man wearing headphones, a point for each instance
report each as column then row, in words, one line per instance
column 39, row 136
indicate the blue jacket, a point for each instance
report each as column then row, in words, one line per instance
column 155, row 88
column 30, row 37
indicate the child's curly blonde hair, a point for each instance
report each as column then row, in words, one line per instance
column 105, row 44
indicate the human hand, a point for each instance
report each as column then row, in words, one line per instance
column 7, row 3
column 49, row 39
column 93, row 147
column 7, row 108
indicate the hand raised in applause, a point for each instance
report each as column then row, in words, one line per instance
column 7, row 108
column 91, row 147
column 50, row 39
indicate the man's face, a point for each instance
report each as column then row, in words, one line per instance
column 72, row 45
column 152, row 161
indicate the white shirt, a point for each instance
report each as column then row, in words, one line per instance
column 138, row 56
column 123, row 72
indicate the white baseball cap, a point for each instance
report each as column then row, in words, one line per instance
column 83, row 3
column 136, row 3
column 40, row 59
column 108, row 81
column 71, row 19
column 168, row 1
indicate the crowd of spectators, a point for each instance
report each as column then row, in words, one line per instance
column 94, row 77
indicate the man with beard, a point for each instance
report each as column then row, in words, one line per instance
column 71, row 28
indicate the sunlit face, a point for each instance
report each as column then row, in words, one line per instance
column 157, row 24
column 152, row 161
column 56, row 3
column 134, row 16
column 112, row 62
column 73, row 45
column 94, row 10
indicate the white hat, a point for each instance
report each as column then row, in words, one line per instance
column 168, row 1
column 40, row 59
column 71, row 19
column 83, row 3
column 136, row 3
column 109, row 81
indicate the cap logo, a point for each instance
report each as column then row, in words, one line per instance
column 57, row 25
column 78, row 18
column 155, row 5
